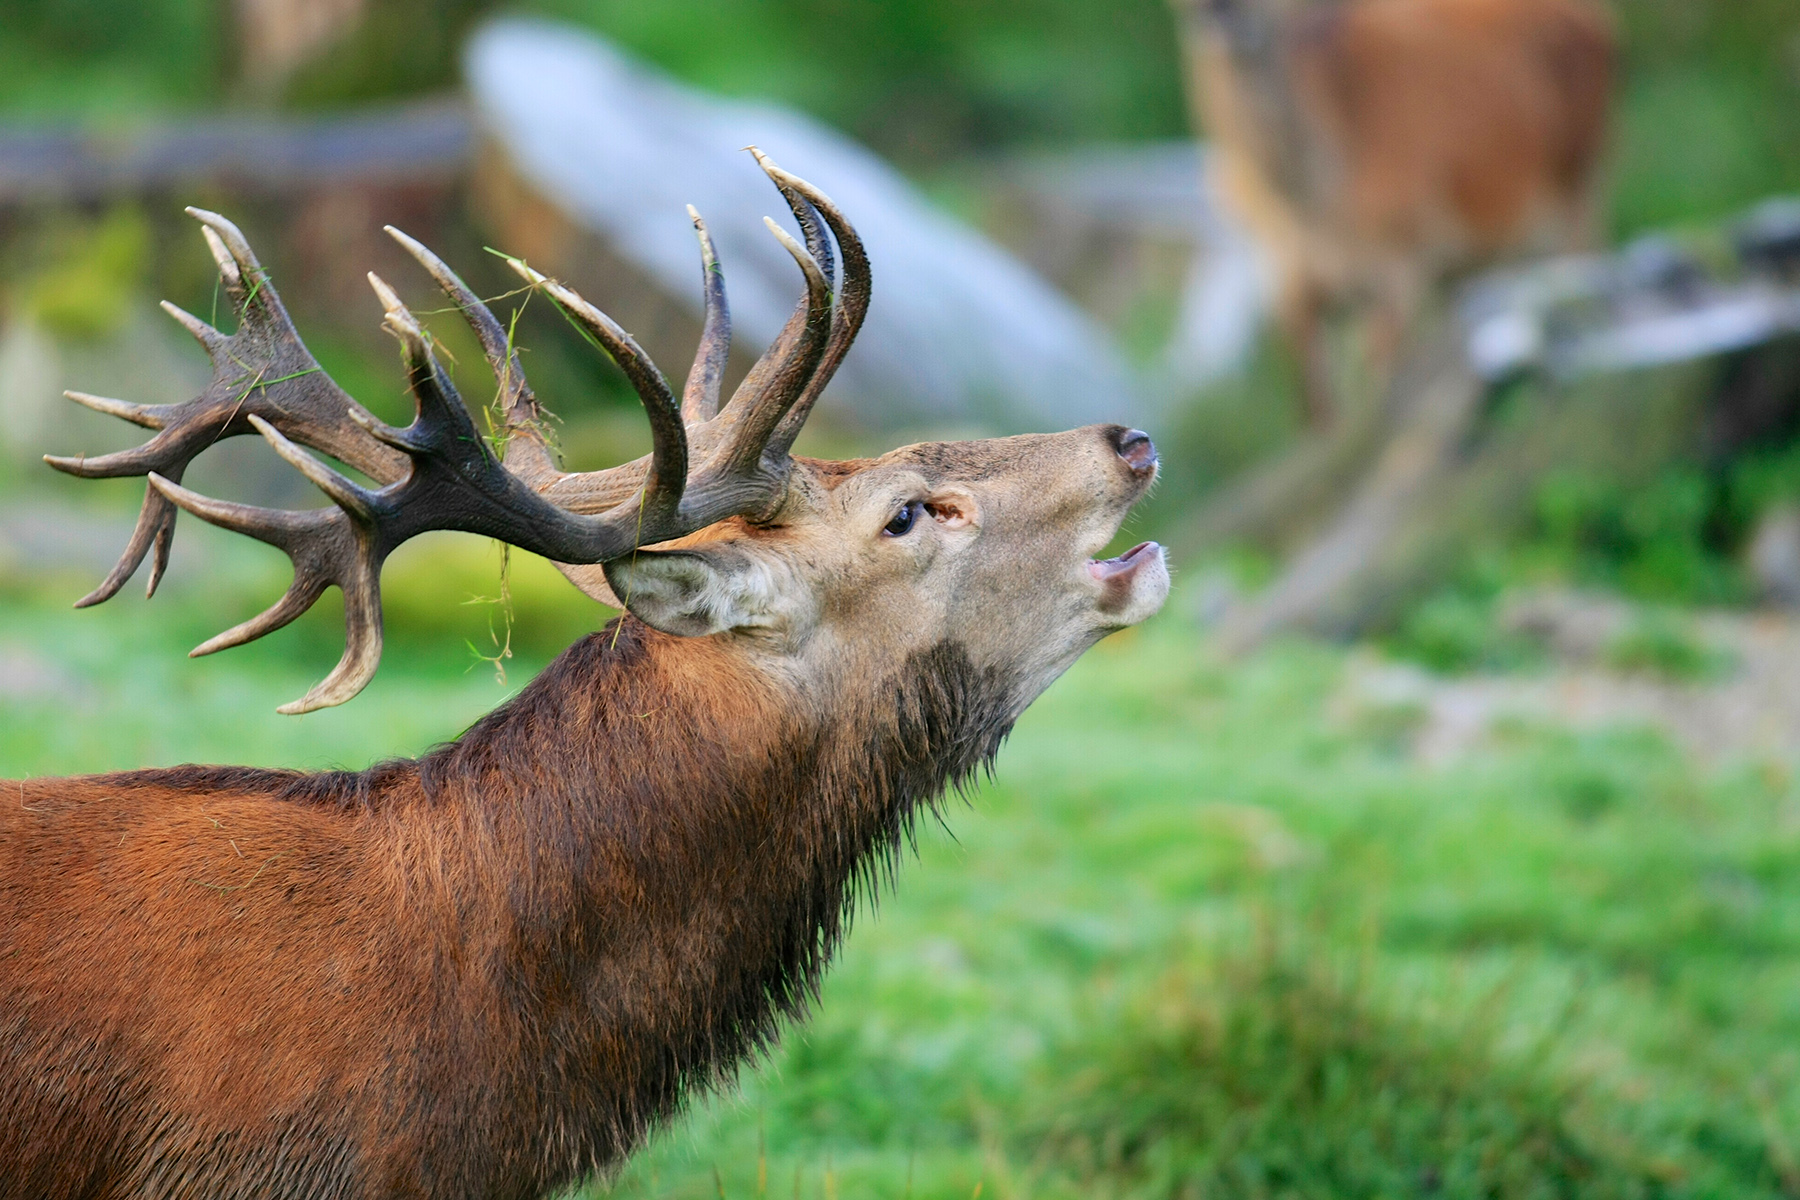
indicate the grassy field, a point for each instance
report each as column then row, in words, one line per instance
column 1210, row 932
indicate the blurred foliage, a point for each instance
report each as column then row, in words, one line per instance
column 1234, row 422
column 1662, row 642
column 1456, row 628
column 1760, row 480
column 110, row 59
column 1709, row 115
column 1677, row 535
column 88, row 273
column 402, row 48
column 447, row 590
column 1657, row 539
column 920, row 80
column 924, row 80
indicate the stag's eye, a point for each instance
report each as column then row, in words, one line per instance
column 903, row 520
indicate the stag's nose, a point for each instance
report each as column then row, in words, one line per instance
column 1136, row 448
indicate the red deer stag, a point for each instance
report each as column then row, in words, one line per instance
column 1374, row 146
column 488, row 972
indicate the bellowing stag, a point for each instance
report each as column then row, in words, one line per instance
column 488, row 972
column 1375, row 146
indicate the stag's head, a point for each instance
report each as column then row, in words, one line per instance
column 816, row 571
column 985, row 545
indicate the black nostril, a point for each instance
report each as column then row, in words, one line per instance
column 1136, row 448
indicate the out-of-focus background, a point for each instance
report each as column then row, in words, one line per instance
column 1442, row 837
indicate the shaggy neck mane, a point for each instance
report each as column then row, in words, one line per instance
column 657, row 847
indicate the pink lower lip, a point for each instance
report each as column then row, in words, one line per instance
column 1111, row 568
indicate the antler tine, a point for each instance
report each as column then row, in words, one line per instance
column 301, row 595
column 700, row 398
column 362, row 650
column 754, row 414
column 261, row 368
column 781, row 350
column 667, row 479
column 210, row 339
column 353, row 499
column 518, row 401
column 817, row 243
column 149, row 416
column 155, row 526
column 231, row 250
column 229, row 274
column 246, row 282
column 328, row 549
column 138, row 460
column 853, row 305
column 441, row 422
column 527, row 451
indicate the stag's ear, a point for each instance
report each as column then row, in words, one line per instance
column 692, row 593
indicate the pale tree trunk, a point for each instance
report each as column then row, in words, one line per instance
column 1373, row 516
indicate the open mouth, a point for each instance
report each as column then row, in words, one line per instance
column 1108, row 569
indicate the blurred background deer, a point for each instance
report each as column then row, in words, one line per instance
column 1377, row 147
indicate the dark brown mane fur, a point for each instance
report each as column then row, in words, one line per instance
column 515, row 953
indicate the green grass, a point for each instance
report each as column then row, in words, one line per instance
column 1208, row 933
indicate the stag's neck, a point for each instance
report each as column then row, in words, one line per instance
column 1251, row 58
column 673, row 838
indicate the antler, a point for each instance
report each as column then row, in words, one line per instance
column 262, row 370
column 706, row 464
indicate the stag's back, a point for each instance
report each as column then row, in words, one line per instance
column 1438, row 131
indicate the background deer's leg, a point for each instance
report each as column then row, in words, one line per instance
column 1391, row 317
column 1301, row 311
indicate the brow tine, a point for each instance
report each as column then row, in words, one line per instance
column 700, row 398
column 668, row 438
